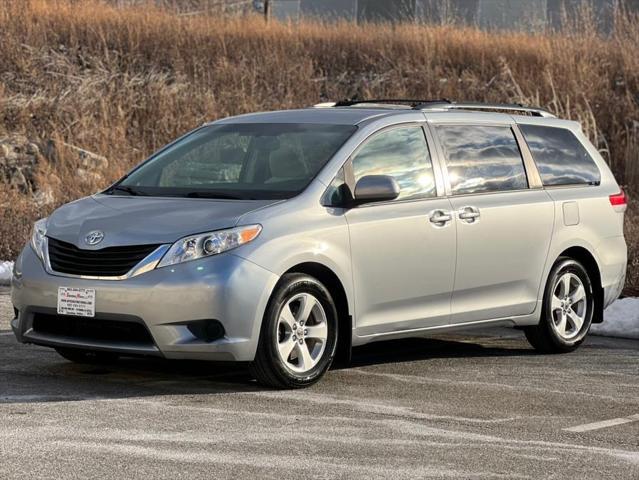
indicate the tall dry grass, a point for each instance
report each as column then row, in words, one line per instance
column 632, row 237
column 122, row 82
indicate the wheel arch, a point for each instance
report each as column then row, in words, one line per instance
column 334, row 285
column 588, row 260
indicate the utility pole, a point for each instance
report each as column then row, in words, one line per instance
column 267, row 10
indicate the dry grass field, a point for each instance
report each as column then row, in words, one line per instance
column 123, row 82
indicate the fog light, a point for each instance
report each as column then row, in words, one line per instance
column 207, row 330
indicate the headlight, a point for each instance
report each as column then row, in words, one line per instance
column 208, row 244
column 38, row 237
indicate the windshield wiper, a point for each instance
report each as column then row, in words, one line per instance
column 203, row 194
column 124, row 188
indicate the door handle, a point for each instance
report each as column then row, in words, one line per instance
column 440, row 218
column 469, row 214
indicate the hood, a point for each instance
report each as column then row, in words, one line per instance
column 128, row 220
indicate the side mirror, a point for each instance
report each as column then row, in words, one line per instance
column 375, row 188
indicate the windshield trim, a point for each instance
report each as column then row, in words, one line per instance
column 175, row 192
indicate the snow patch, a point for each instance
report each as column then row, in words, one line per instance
column 5, row 272
column 621, row 319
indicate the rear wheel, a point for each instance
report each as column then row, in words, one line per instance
column 567, row 309
column 299, row 334
column 89, row 357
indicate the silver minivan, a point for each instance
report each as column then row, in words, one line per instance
column 283, row 239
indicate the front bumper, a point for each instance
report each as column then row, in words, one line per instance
column 225, row 288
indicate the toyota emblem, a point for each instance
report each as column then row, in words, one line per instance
column 94, row 237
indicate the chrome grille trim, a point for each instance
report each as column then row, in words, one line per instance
column 145, row 265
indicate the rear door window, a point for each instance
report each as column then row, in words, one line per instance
column 401, row 153
column 560, row 157
column 482, row 159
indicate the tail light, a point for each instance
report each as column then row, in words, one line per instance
column 618, row 199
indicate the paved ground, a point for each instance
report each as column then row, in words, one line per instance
column 472, row 405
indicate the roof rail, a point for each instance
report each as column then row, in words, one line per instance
column 499, row 107
column 389, row 101
column 444, row 104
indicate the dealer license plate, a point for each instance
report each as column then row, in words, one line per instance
column 79, row 302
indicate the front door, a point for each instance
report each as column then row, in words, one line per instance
column 403, row 251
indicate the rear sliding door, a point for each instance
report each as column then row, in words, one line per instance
column 504, row 226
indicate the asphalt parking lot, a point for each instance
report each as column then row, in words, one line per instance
column 477, row 404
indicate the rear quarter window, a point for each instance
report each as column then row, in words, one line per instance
column 560, row 157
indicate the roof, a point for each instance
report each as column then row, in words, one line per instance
column 335, row 116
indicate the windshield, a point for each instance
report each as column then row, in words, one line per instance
column 258, row 161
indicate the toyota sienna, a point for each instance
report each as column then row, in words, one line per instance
column 283, row 239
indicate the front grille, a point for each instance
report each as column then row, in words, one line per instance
column 92, row 329
column 107, row 262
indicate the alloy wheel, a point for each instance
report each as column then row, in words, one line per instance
column 302, row 332
column 569, row 305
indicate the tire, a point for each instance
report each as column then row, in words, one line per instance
column 565, row 317
column 87, row 357
column 298, row 338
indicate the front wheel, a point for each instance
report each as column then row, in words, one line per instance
column 299, row 334
column 567, row 309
